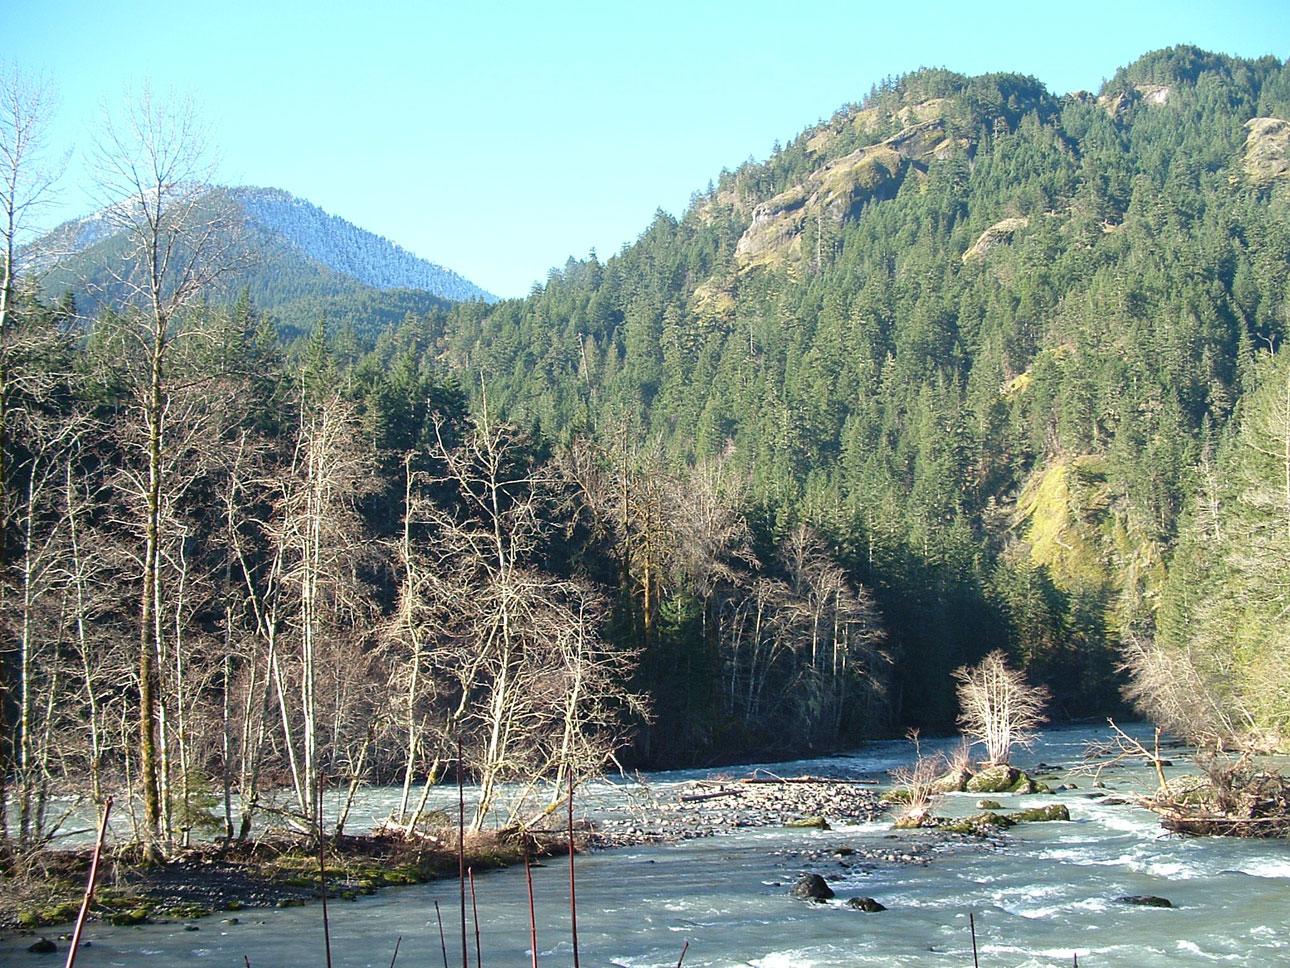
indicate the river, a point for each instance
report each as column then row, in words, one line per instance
column 1039, row 894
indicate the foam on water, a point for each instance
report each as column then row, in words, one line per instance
column 793, row 958
column 1192, row 948
column 1270, row 867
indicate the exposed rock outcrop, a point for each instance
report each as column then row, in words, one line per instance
column 833, row 193
column 1154, row 93
column 1117, row 103
column 998, row 233
column 829, row 195
column 713, row 301
column 1267, row 149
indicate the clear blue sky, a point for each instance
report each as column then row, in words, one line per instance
column 498, row 139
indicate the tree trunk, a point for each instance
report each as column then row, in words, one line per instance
column 148, row 606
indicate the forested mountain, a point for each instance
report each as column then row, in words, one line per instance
column 980, row 336
column 299, row 263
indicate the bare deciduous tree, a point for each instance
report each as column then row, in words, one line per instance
column 1174, row 689
column 317, row 540
column 540, row 693
column 25, row 180
column 998, row 708
column 917, row 784
column 154, row 174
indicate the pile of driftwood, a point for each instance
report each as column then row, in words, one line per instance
column 1233, row 796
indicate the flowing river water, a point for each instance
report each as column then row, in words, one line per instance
column 1040, row 894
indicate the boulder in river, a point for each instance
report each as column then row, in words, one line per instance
column 1146, row 900
column 994, row 779
column 1005, row 779
column 981, row 825
column 1054, row 811
column 43, row 947
column 989, row 805
column 865, row 904
column 812, row 887
column 955, row 781
column 815, row 823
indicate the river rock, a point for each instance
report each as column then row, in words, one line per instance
column 989, row 805
column 955, row 781
column 994, row 779
column 812, row 887
column 981, row 825
column 1146, row 900
column 910, row 821
column 865, row 904
column 1054, row 811
column 43, row 947
column 815, row 823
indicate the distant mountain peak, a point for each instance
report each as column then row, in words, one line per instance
column 347, row 249
column 303, row 250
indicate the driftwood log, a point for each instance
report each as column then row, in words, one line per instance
column 1198, row 824
column 696, row 797
column 808, row 779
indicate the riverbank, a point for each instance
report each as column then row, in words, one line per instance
column 211, row 879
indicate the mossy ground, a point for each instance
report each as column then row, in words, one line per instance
column 206, row 879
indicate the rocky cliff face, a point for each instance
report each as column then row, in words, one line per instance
column 1118, row 103
column 999, row 232
column 832, row 193
column 1267, row 149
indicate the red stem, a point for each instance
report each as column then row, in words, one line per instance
column 461, row 854
column 528, row 876
column 474, row 912
column 322, row 872
column 573, row 888
column 443, row 943
column 88, row 899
